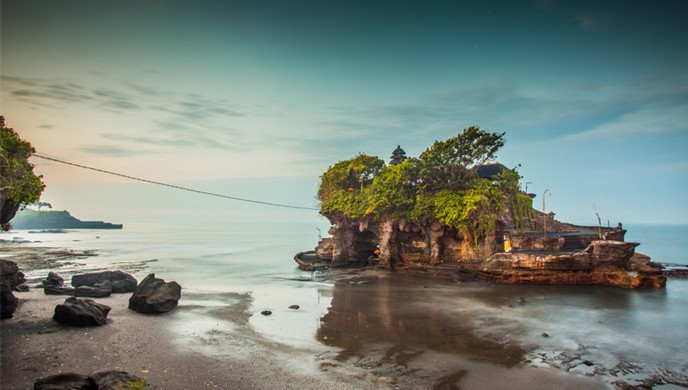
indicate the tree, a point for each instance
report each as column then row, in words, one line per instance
column 18, row 183
column 447, row 164
column 440, row 186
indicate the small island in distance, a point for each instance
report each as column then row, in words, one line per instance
column 52, row 219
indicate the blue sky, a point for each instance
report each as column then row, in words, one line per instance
column 236, row 96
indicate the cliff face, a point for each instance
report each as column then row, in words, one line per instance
column 403, row 245
column 8, row 210
column 569, row 254
column 407, row 245
column 606, row 262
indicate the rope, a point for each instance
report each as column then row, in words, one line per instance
column 175, row 186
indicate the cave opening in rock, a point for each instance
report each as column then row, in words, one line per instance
column 366, row 243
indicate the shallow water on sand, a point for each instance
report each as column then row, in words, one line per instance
column 613, row 333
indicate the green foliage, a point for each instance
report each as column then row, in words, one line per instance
column 521, row 209
column 393, row 192
column 350, row 175
column 440, row 186
column 18, row 183
column 446, row 164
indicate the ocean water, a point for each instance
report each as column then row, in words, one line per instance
column 627, row 334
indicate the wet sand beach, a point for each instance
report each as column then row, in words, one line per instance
column 228, row 354
column 361, row 329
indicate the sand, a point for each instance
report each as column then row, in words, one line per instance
column 197, row 347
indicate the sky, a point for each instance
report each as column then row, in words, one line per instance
column 257, row 99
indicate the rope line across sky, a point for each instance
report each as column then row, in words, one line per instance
column 176, row 186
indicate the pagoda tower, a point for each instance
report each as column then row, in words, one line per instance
column 398, row 156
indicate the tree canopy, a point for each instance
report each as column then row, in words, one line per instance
column 440, row 185
column 18, row 183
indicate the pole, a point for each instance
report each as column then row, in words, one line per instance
column 544, row 214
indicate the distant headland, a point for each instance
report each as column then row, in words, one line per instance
column 51, row 219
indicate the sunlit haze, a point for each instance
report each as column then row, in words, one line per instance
column 256, row 99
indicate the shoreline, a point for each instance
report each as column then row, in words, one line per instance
column 228, row 354
column 208, row 341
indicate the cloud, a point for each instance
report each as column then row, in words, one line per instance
column 109, row 150
column 648, row 121
column 177, row 119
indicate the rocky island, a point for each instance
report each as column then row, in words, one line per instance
column 450, row 211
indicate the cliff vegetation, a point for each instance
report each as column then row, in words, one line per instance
column 441, row 185
column 18, row 183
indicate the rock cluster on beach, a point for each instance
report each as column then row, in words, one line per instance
column 101, row 380
column 81, row 312
column 154, row 295
column 10, row 278
column 119, row 282
column 91, row 285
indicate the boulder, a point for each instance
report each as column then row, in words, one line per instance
column 58, row 290
column 121, row 282
column 53, row 279
column 10, row 278
column 116, row 380
column 22, row 288
column 81, row 312
column 67, row 380
column 92, row 292
column 154, row 295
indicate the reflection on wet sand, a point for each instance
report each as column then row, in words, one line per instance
column 394, row 310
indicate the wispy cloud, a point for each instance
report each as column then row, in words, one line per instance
column 110, row 150
column 649, row 121
column 177, row 119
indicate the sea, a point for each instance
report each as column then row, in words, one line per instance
column 633, row 336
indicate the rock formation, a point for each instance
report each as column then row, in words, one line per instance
column 602, row 262
column 67, row 380
column 452, row 206
column 93, row 291
column 53, row 279
column 101, row 380
column 10, row 278
column 120, row 282
column 154, row 295
column 81, row 312
column 58, row 290
column 569, row 255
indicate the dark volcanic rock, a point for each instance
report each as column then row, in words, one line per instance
column 266, row 312
column 153, row 295
column 121, row 282
column 53, row 279
column 65, row 381
column 81, row 312
column 58, row 290
column 295, row 307
column 92, row 292
column 10, row 278
column 116, row 380
column 22, row 288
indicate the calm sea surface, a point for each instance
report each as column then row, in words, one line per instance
column 605, row 325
